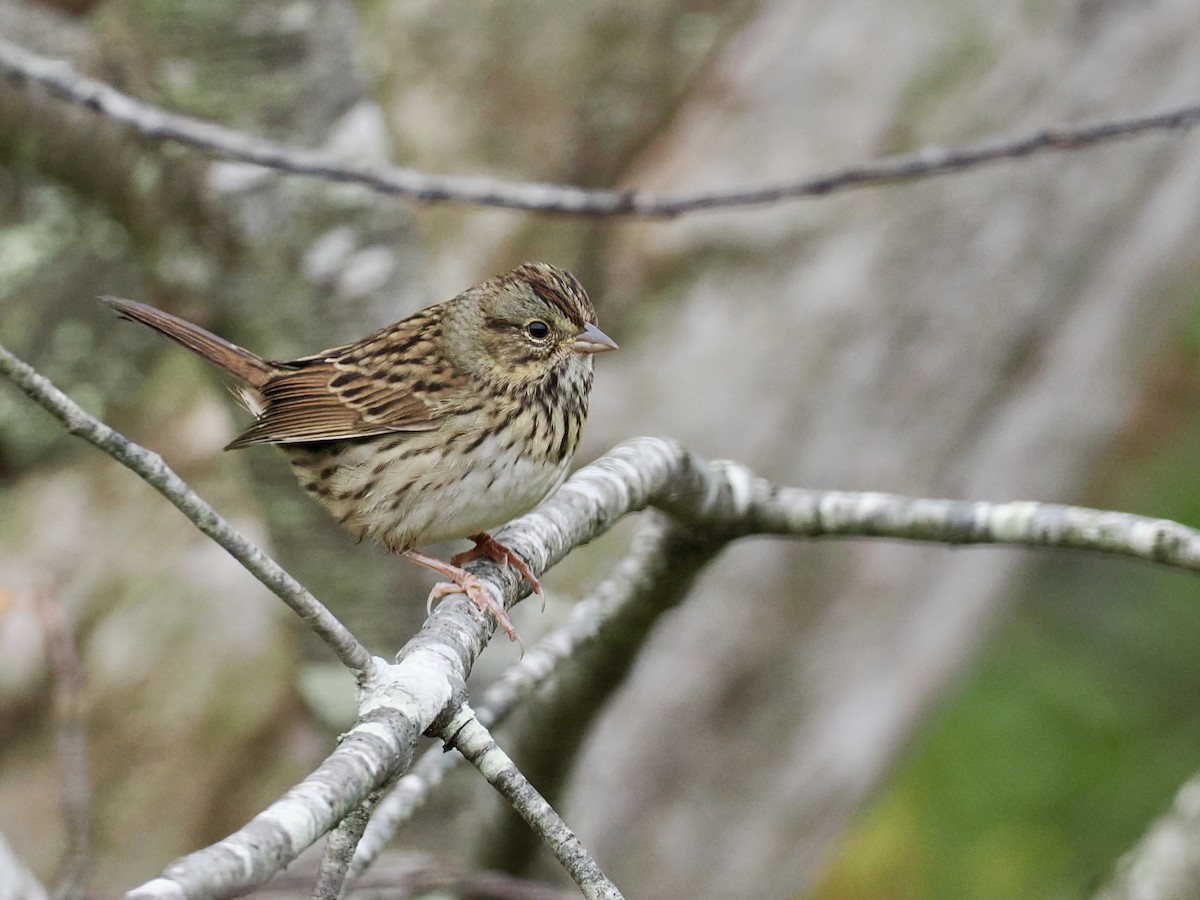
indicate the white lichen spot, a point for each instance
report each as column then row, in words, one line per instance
column 1007, row 521
column 366, row 271
column 235, row 177
column 360, row 135
column 493, row 763
column 327, row 254
column 1144, row 536
column 741, row 484
column 297, row 819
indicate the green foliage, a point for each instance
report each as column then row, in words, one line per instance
column 1077, row 725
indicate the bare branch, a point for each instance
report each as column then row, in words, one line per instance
column 1166, row 862
column 723, row 499
column 639, row 581
column 717, row 502
column 70, row 705
column 467, row 734
column 16, row 881
column 367, row 757
column 152, row 469
column 340, row 848
column 154, row 122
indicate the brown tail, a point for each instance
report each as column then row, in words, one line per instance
column 252, row 369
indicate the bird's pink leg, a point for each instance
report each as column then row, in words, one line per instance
column 462, row 581
column 486, row 545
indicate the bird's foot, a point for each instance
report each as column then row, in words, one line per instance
column 461, row 581
column 478, row 594
column 488, row 546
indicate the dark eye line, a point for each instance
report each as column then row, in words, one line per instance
column 496, row 324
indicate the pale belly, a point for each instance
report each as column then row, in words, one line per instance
column 413, row 494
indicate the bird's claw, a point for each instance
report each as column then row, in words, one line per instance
column 478, row 594
column 488, row 546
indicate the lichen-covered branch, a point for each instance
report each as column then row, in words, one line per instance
column 712, row 502
column 340, row 847
column 367, row 756
column 467, row 734
column 70, row 705
column 648, row 578
column 155, row 122
column 1166, row 862
column 16, row 881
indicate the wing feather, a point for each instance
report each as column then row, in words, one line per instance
column 372, row 387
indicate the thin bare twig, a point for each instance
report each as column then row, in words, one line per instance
column 465, row 733
column 154, row 122
column 16, row 881
column 1165, row 862
column 70, row 705
column 152, row 469
column 340, row 847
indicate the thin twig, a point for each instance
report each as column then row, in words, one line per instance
column 340, row 848
column 16, row 881
column 152, row 469
column 70, row 704
column 467, row 734
column 151, row 121
column 1165, row 862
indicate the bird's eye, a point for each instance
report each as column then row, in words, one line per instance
column 538, row 330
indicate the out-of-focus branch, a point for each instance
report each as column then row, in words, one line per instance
column 154, row 122
column 1166, row 862
column 16, row 881
column 718, row 502
column 466, row 733
column 152, row 469
column 70, row 705
column 420, row 878
column 340, row 848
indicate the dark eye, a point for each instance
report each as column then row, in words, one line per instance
column 538, row 330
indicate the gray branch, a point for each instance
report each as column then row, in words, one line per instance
column 721, row 500
column 468, row 735
column 1166, row 862
column 646, row 573
column 59, row 77
column 16, row 881
column 714, row 502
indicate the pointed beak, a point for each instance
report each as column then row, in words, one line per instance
column 592, row 340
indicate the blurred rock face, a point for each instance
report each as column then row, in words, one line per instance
column 979, row 335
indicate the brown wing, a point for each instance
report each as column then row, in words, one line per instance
column 381, row 384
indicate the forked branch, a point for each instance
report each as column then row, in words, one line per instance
column 717, row 502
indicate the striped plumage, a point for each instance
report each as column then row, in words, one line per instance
column 441, row 426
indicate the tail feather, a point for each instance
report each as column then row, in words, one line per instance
column 240, row 363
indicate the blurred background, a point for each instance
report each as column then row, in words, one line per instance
column 854, row 719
